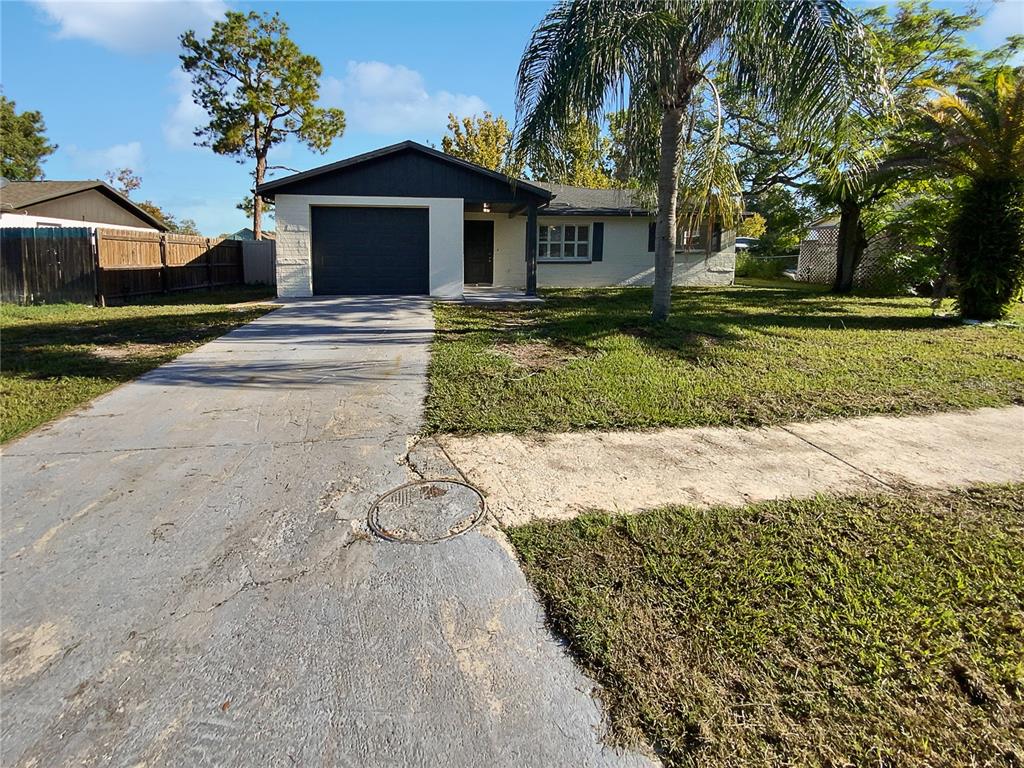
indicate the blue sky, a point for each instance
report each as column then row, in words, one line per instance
column 105, row 76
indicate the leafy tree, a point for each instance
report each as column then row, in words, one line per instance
column 753, row 225
column 859, row 165
column 631, row 165
column 919, row 45
column 178, row 226
column 578, row 157
column 977, row 133
column 124, row 180
column 804, row 60
column 486, row 141
column 259, row 90
column 24, row 142
column 786, row 216
column 246, row 206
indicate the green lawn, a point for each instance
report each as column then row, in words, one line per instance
column 867, row 631
column 746, row 355
column 56, row 357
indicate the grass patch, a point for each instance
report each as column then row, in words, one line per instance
column 881, row 631
column 746, row 355
column 56, row 357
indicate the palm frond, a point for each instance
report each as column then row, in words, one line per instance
column 978, row 129
column 709, row 189
column 810, row 62
column 581, row 55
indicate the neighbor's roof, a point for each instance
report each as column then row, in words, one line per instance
column 18, row 195
column 246, row 233
column 584, row 201
column 271, row 186
column 824, row 222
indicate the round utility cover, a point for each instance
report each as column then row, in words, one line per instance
column 426, row 511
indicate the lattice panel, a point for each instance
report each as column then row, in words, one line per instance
column 817, row 261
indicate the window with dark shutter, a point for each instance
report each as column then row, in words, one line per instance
column 650, row 236
column 597, row 254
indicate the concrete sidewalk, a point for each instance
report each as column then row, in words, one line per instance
column 188, row 578
column 557, row 476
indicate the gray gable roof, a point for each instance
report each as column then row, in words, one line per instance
column 584, row 201
column 368, row 182
column 17, row 195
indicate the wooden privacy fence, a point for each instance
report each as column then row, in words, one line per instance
column 141, row 263
column 47, row 264
column 58, row 264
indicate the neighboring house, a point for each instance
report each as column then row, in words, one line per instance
column 71, row 204
column 246, row 233
column 407, row 219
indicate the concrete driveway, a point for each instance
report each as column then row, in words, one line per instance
column 188, row 578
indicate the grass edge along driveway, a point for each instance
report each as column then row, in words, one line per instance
column 57, row 357
column 865, row 630
column 731, row 356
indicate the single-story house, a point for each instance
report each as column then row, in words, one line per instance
column 71, row 204
column 246, row 233
column 408, row 219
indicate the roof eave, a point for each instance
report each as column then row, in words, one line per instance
column 134, row 209
column 109, row 192
column 268, row 187
column 611, row 212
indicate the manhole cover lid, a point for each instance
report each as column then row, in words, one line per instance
column 426, row 511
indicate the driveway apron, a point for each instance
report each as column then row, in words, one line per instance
column 188, row 578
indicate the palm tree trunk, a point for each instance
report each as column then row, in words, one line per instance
column 669, row 160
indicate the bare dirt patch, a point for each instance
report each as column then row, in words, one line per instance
column 537, row 356
column 127, row 351
column 691, row 342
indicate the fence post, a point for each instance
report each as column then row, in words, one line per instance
column 101, row 300
column 209, row 265
column 24, row 271
column 164, row 276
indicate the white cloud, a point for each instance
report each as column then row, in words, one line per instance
column 96, row 162
column 185, row 115
column 131, row 26
column 390, row 99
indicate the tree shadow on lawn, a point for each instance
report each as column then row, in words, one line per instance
column 700, row 317
column 236, row 295
column 46, row 349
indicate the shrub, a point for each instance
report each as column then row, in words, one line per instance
column 765, row 269
column 987, row 239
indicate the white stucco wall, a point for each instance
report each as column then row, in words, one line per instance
column 294, row 257
column 509, row 248
column 626, row 258
column 9, row 220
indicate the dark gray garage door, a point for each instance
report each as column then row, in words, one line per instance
column 370, row 250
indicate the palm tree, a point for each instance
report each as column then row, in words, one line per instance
column 977, row 133
column 807, row 60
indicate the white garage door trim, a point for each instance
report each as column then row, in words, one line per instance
column 294, row 239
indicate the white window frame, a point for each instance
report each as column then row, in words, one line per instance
column 544, row 242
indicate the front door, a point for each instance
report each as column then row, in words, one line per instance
column 478, row 247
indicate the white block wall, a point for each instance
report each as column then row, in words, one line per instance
column 294, row 256
column 626, row 258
